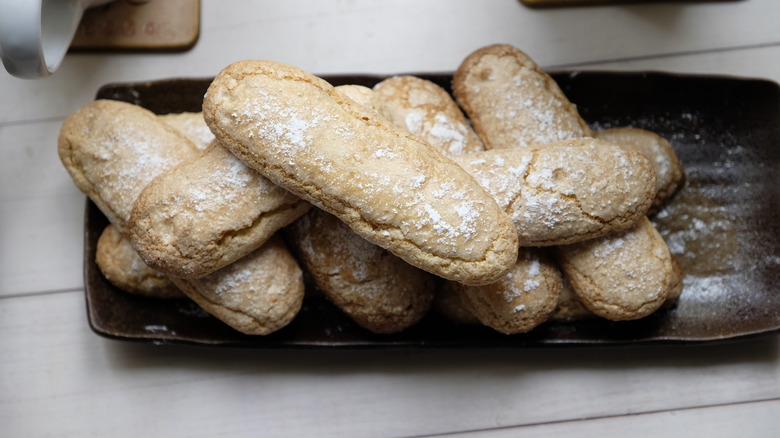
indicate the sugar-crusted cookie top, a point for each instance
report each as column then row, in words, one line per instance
column 393, row 189
column 114, row 149
column 512, row 101
column 621, row 276
column 208, row 212
column 429, row 112
column 565, row 191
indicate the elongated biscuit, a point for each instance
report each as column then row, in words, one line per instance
column 524, row 298
column 512, row 102
column 206, row 213
column 257, row 295
column 122, row 267
column 622, row 276
column 389, row 187
column 112, row 150
column 378, row 290
column 669, row 173
column 568, row 191
column 429, row 112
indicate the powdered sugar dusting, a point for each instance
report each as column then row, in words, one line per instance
column 524, row 109
column 450, row 135
column 261, row 114
column 235, row 281
column 528, row 273
column 533, row 268
column 610, row 246
column 414, row 121
column 311, row 141
column 145, row 150
column 501, row 176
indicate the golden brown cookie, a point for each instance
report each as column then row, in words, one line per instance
column 257, row 295
column 206, row 213
column 669, row 173
column 568, row 191
column 378, row 290
column 388, row 186
column 112, row 150
column 622, row 276
column 123, row 268
column 524, row 298
column 512, row 102
column 429, row 112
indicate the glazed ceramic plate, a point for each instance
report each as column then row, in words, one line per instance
column 723, row 226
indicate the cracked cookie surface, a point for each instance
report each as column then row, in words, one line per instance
column 378, row 290
column 388, row 186
column 112, row 150
column 521, row 300
column 622, row 276
column 429, row 112
column 259, row 294
column 568, row 191
column 669, row 172
column 208, row 212
column 512, row 102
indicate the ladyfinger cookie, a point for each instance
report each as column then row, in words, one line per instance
column 192, row 126
column 112, row 150
column 206, row 213
column 568, row 191
column 570, row 307
column 388, row 186
column 524, row 298
column 257, row 295
column 378, row 290
column 669, row 173
column 122, row 267
column 512, row 102
column 622, row 276
column 429, row 112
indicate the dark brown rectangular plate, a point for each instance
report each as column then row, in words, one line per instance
column 723, row 226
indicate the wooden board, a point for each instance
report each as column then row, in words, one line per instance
column 139, row 25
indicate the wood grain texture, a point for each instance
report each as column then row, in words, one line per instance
column 54, row 368
column 59, row 378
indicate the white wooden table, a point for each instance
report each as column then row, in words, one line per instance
column 57, row 378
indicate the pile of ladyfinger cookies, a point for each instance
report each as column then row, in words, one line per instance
column 496, row 205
